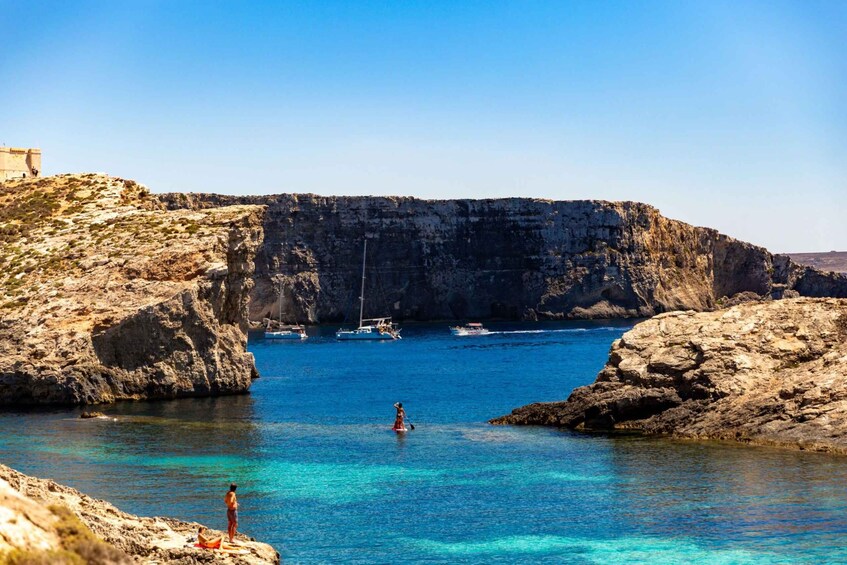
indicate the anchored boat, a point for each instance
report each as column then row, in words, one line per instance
column 473, row 328
column 376, row 328
column 286, row 332
column 372, row 329
column 281, row 331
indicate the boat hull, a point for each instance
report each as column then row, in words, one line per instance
column 354, row 335
column 464, row 332
column 292, row 336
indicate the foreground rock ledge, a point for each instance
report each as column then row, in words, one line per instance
column 772, row 373
column 105, row 295
column 28, row 523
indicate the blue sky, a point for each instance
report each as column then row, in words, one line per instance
column 731, row 115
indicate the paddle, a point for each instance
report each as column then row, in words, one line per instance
column 399, row 407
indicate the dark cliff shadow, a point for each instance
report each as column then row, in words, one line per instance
column 150, row 335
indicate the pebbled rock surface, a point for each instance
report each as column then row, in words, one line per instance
column 29, row 523
column 510, row 258
column 771, row 373
column 105, row 295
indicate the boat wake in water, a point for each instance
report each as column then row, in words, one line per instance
column 567, row 330
column 313, row 448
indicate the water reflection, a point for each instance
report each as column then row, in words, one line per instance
column 725, row 492
column 323, row 477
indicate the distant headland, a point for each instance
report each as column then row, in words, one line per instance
column 829, row 261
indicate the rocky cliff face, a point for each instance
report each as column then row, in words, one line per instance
column 508, row 258
column 107, row 296
column 44, row 522
column 769, row 373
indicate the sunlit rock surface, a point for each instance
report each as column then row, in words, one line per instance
column 35, row 520
column 512, row 258
column 105, row 295
column 769, row 373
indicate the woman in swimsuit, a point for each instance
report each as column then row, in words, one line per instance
column 401, row 415
column 208, row 542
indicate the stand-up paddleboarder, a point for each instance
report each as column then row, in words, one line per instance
column 399, row 424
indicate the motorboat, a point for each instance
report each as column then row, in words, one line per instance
column 473, row 328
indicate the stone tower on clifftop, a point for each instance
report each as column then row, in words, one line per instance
column 18, row 163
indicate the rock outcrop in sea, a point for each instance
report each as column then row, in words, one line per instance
column 770, row 373
column 512, row 258
column 107, row 296
column 44, row 522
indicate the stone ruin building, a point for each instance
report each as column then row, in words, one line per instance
column 17, row 163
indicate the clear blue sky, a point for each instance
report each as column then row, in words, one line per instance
column 731, row 115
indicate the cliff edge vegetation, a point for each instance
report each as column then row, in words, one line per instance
column 770, row 373
column 105, row 295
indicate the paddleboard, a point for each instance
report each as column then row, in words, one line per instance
column 400, row 430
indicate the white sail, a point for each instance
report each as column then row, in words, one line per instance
column 376, row 328
column 295, row 332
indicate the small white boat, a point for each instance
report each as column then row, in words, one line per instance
column 378, row 329
column 474, row 328
column 276, row 330
column 286, row 332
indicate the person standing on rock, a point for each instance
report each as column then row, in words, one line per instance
column 231, row 511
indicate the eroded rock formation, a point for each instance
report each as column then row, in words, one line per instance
column 106, row 295
column 35, row 527
column 768, row 372
column 511, row 258
column 111, row 293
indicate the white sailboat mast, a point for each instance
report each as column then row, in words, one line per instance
column 362, row 296
column 281, row 290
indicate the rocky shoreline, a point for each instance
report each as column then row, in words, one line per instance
column 114, row 293
column 108, row 296
column 769, row 373
column 39, row 520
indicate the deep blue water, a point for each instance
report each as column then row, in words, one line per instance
column 323, row 478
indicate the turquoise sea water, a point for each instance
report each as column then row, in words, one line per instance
column 323, row 478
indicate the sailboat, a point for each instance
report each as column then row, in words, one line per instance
column 371, row 329
column 281, row 331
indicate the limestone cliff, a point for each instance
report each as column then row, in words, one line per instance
column 106, row 295
column 769, row 373
column 44, row 522
column 507, row 258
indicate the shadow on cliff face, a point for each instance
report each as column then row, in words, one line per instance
column 500, row 259
column 813, row 282
column 140, row 340
column 458, row 305
column 175, row 348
